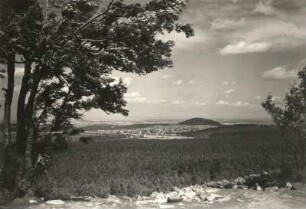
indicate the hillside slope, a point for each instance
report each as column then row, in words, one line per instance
column 200, row 121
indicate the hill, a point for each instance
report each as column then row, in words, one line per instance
column 200, row 121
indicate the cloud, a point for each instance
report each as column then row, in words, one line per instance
column 233, row 104
column 198, row 103
column 227, row 83
column 183, row 43
column 225, row 23
column 127, row 80
column 222, row 102
column 166, row 76
column 279, row 74
column 178, row 82
column 135, row 97
column 191, row 82
column 178, row 102
column 229, row 91
column 132, row 94
column 265, row 8
column 244, row 47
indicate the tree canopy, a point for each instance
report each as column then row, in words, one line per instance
column 69, row 50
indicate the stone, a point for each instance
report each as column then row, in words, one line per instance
column 226, row 184
column 271, row 189
column 203, row 197
column 289, row 185
column 257, row 187
column 242, row 187
column 213, row 184
column 33, row 201
column 55, row 202
column 240, row 181
column 174, row 199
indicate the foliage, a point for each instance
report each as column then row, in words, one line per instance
column 140, row 167
column 69, row 50
column 290, row 118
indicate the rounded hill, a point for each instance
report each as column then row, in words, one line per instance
column 200, row 121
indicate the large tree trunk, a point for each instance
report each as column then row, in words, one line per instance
column 9, row 92
column 14, row 167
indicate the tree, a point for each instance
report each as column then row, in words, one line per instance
column 290, row 117
column 69, row 50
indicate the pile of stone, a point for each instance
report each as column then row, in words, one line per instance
column 195, row 193
column 266, row 181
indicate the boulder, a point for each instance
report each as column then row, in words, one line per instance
column 213, row 184
column 289, row 185
column 55, row 202
column 242, row 187
column 257, row 187
column 33, row 201
column 226, row 184
column 174, row 199
column 272, row 189
column 240, row 181
column 203, row 197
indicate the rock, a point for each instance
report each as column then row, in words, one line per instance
column 240, row 181
column 257, row 187
column 174, row 199
column 55, row 202
column 271, row 189
column 226, row 184
column 33, row 201
column 126, row 198
column 289, row 185
column 113, row 199
column 203, row 197
column 213, row 184
column 242, row 187
column 159, row 197
column 80, row 199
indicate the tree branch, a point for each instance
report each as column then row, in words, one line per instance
column 97, row 16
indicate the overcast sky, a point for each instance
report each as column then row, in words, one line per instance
column 242, row 51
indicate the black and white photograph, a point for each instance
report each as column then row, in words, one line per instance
column 152, row 104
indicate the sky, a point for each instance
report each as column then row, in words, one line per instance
column 242, row 51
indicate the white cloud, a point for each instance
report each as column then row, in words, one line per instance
column 135, row 97
column 178, row 102
column 258, row 97
column 241, row 104
column 183, row 43
column 227, row 83
column 178, row 82
column 222, row 102
column 191, row 82
column 229, row 91
column 166, row 76
column 132, row 94
column 245, row 47
column 224, row 23
column 279, row 73
column 233, row 104
column 127, row 80
column 198, row 103
column 264, row 8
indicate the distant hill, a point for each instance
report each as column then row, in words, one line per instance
column 200, row 121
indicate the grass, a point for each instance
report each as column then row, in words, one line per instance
column 139, row 167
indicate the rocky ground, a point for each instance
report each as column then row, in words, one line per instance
column 197, row 196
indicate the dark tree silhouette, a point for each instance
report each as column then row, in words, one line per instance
column 290, row 117
column 69, row 50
